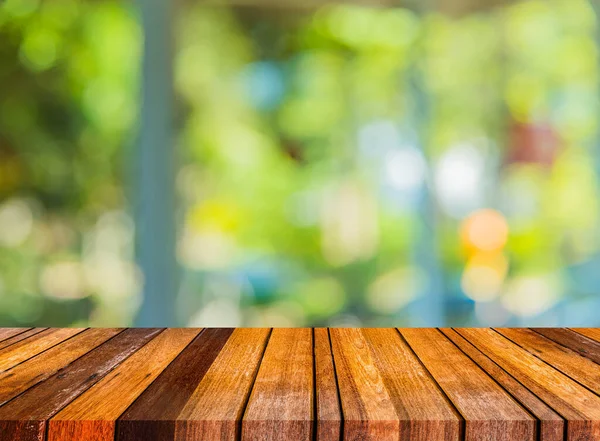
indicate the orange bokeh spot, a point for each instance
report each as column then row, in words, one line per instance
column 484, row 230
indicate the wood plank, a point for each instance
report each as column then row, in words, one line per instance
column 552, row 426
column 582, row 345
column 489, row 412
column 19, row 336
column 93, row 415
column 569, row 362
column 25, row 417
column 35, row 344
column 593, row 333
column 37, row 369
column 10, row 332
column 329, row 414
column 424, row 411
column 369, row 412
column 579, row 406
column 152, row 416
column 215, row 409
column 280, row 406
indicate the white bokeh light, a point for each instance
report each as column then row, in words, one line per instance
column 406, row 169
column 459, row 179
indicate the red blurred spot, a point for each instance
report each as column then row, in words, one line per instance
column 537, row 143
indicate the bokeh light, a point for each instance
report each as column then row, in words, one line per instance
column 484, row 230
column 345, row 165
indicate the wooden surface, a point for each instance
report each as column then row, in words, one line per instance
column 300, row 384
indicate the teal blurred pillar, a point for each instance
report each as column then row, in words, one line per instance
column 154, row 167
column 430, row 308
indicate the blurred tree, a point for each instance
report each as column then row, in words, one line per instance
column 66, row 113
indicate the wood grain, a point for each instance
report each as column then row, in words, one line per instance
column 328, row 412
column 593, row 333
column 582, row 345
column 423, row 409
column 37, row 369
column 570, row 363
column 93, row 415
column 26, row 333
column 369, row 412
column 579, row 406
column 489, row 412
column 10, row 332
column 503, row 384
column 25, row 417
column 280, row 406
column 215, row 409
column 552, row 426
column 35, row 344
column 152, row 416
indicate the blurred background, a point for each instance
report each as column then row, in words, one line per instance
column 255, row 163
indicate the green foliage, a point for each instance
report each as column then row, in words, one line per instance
column 329, row 161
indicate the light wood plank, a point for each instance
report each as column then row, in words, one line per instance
column 152, row 416
column 37, row 369
column 369, row 412
column 584, row 346
column 570, row 363
column 280, row 406
column 552, row 425
column 579, row 406
column 425, row 412
column 35, row 344
column 11, row 332
column 92, row 416
column 26, row 333
column 593, row 333
column 215, row 409
column 329, row 416
column 25, row 417
column 489, row 412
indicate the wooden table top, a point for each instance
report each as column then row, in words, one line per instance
column 299, row 384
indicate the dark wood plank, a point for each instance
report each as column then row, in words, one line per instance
column 369, row 412
column 25, row 417
column 329, row 414
column 489, row 412
column 36, row 369
column 215, row 409
column 93, row 415
column 592, row 333
column 424, row 411
column 35, row 344
column 11, row 332
column 569, row 362
column 579, row 406
column 552, row 426
column 152, row 416
column 280, row 406
column 582, row 345
column 19, row 336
